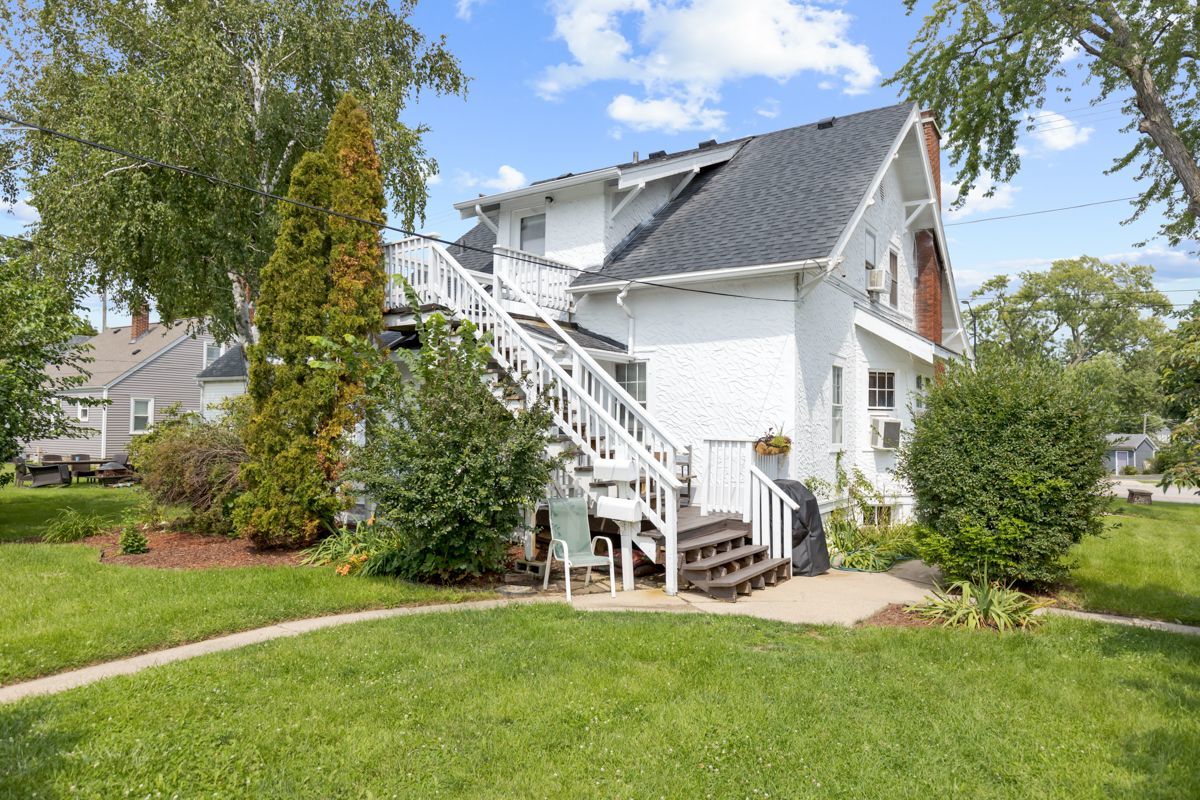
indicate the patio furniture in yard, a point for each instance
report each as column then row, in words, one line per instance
column 23, row 476
column 46, row 475
column 51, row 459
column 572, row 537
column 83, row 467
column 1140, row 497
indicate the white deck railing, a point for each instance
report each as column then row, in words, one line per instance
column 544, row 280
column 437, row 278
column 724, row 485
column 769, row 512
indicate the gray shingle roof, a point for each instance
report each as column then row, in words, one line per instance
column 480, row 236
column 582, row 336
column 785, row 196
column 231, row 364
column 1128, row 441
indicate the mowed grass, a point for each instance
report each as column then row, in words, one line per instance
column 25, row 512
column 1146, row 565
column 547, row 702
column 61, row 608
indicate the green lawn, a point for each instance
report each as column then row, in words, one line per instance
column 24, row 512
column 1147, row 564
column 547, row 702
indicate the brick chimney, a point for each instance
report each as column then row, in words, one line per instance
column 933, row 146
column 140, row 324
column 928, row 295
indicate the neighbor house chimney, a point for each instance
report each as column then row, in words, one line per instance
column 933, row 146
column 140, row 324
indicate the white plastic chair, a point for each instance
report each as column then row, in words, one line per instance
column 571, row 536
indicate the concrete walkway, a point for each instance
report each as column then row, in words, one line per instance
column 1134, row 622
column 835, row 598
column 63, row 681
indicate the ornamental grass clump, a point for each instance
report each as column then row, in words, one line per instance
column 70, row 525
column 1006, row 465
column 980, row 605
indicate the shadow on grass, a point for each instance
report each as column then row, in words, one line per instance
column 1162, row 760
column 31, row 752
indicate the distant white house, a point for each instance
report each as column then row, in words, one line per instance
column 678, row 306
column 1129, row 450
column 141, row 369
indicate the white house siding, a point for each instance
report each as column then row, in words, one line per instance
column 638, row 210
column 886, row 218
column 214, row 392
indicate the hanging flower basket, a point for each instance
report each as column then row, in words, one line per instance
column 773, row 444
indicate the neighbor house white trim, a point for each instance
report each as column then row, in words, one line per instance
column 133, row 401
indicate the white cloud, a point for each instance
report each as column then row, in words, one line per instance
column 21, row 210
column 1169, row 263
column 1069, row 51
column 666, row 114
column 433, row 180
column 681, row 53
column 1056, row 132
column 466, row 8
column 978, row 201
column 769, row 108
column 506, row 179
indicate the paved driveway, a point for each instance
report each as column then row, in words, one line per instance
column 1122, row 486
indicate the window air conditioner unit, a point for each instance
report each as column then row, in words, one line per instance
column 885, row 433
column 877, row 280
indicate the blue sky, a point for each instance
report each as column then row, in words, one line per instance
column 568, row 85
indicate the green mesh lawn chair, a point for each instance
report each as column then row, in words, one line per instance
column 571, row 539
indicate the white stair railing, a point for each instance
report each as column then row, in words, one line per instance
column 437, row 278
column 543, row 281
column 769, row 512
column 723, row 478
column 603, row 387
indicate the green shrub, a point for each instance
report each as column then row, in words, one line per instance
column 449, row 467
column 982, row 605
column 348, row 548
column 194, row 463
column 1129, row 469
column 70, row 525
column 132, row 541
column 1006, row 465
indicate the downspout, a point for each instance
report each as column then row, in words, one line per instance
column 104, row 425
column 629, row 313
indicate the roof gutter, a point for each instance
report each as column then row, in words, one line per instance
column 725, row 273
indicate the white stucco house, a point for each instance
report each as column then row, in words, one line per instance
column 678, row 306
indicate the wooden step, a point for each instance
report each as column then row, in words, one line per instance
column 713, row 539
column 724, row 558
column 744, row 581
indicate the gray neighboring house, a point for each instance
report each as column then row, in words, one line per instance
column 1125, row 449
column 140, row 369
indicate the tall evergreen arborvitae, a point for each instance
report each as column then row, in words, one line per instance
column 358, row 281
column 289, row 500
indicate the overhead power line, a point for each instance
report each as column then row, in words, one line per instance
column 1042, row 211
column 352, row 218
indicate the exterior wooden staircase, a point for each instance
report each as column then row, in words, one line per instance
column 726, row 564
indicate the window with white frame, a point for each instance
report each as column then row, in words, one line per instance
column 893, row 278
column 212, row 351
column 632, row 378
column 870, row 248
column 533, row 234
column 919, row 396
column 881, row 389
column 837, row 411
column 81, row 412
column 141, row 414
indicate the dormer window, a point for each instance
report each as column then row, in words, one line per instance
column 533, row 234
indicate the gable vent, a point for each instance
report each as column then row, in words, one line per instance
column 657, row 154
column 709, row 143
column 826, row 123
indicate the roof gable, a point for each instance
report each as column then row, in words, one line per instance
column 113, row 356
column 786, row 196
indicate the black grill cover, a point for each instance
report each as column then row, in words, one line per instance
column 810, row 556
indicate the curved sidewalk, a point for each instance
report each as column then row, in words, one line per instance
column 52, row 684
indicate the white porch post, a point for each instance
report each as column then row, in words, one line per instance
column 627, row 531
column 671, row 535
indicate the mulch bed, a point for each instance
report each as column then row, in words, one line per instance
column 894, row 616
column 174, row 550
